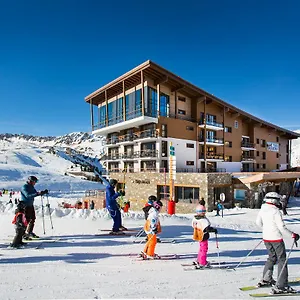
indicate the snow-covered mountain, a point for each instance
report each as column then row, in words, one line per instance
column 60, row 163
column 295, row 152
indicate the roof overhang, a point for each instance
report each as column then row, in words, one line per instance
column 176, row 83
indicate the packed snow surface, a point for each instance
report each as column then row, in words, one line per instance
column 81, row 265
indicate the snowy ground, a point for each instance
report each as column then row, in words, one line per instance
column 84, row 266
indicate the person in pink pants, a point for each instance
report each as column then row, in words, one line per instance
column 202, row 228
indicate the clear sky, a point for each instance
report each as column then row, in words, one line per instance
column 54, row 53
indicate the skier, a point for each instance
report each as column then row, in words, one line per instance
column 28, row 193
column 219, row 208
column 148, row 205
column 152, row 228
column 284, row 201
column 20, row 223
column 202, row 227
column 273, row 227
column 113, row 207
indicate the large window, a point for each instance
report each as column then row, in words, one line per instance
column 150, row 102
column 186, row 194
column 164, row 105
column 102, row 116
column 133, row 105
column 115, row 111
column 239, row 194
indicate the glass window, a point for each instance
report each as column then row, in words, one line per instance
column 181, row 112
column 186, row 194
column 190, row 128
column 190, row 163
column 164, row 148
column 163, row 191
column 164, row 105
column 189, row 145
column 151, row 103
column 236, row 124
column 228, row 129
column 239, row 194
column 164, row 132
column 180, row 98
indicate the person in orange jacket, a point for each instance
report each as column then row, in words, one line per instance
column 20, row 223
column 152, row 228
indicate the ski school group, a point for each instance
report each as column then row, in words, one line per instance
column 269, row 219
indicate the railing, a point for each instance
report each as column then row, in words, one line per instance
column 211, row 123
column 182, row 117
column 212, row 156
column 130, row 137
column 247, row 145
column 132, row 155
column 213, row 140
column 178, row 170
column 247, row 158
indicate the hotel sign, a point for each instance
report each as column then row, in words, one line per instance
column 274, row 147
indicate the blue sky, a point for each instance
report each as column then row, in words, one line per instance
column 54, row 53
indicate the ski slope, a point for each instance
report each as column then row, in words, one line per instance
column 83, row 266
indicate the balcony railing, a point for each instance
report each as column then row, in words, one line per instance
column 247, row 145
column 247, row 158
column 130, row 137
column 178, row 170
column 212, row 140
column 132, row 155
column 212, row 156
column 211, row 123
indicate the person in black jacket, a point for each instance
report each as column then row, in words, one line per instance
column 20, row 223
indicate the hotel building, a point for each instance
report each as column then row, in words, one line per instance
column 145, row 110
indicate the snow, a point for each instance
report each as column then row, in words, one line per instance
column 81, row 265
column 295, row 152
column 84, row 266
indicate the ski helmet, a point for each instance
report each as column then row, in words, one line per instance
column 20, row 207
column 33, row 179
column 200, row 209
column 113, row 182
column 157, row 204
column 273, row 198
column 151, row 199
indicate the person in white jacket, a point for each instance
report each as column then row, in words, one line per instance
column 273, row 228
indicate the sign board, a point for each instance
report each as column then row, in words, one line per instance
column 172, row 151
column 274, row 147
column 222, row 197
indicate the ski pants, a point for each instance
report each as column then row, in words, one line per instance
column 202, row 254
column 30, row 217
column 20, row 231
column 277, row 253
column 150, row 245
column 116, row 216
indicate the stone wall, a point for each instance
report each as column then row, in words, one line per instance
column 139, row 186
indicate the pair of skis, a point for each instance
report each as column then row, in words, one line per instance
column 295, row 281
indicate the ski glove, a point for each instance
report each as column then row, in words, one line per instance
column 295, row 236
column 122, row 193
column 44, row 192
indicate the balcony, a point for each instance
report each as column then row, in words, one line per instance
column 148, row 134
column 211, row 125
column 247, row 146
column 212, row 157
column 212, row 141
column 116, row 124
column 143, row 154
column 247, row 159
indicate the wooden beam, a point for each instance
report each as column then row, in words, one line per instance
column 176, row 89
column 161, row 80
column 226, row 109
column 106, row 103
column 201, row 99
column 236, row 115
column 92, row 114
column 124, row 102
column 175, row 104
column 143, row 93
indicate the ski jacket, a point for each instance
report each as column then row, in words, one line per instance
column 270, row 219
column 202, row 228
column 20, row 220
column 28, row 192
column 152, row 225
column 111, row 198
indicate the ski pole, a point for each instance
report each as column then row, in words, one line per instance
column 43, row 214
column 48, row 205
column 286, row 260
column 247, row 256
column 218, row 250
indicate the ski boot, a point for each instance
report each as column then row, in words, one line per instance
column 122, row 228
column 270, row 282
column 117, row 232
column 286, row 290
column 33, row 235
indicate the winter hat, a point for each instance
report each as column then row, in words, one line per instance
column 151, row 199
column 200, row 209
column 272, row 198
column 157, row 204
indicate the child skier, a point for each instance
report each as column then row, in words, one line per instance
column 202, row 228
column 20, row 223
column 152, row 228
column 273, row 227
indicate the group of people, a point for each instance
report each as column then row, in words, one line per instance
column 269, row 218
